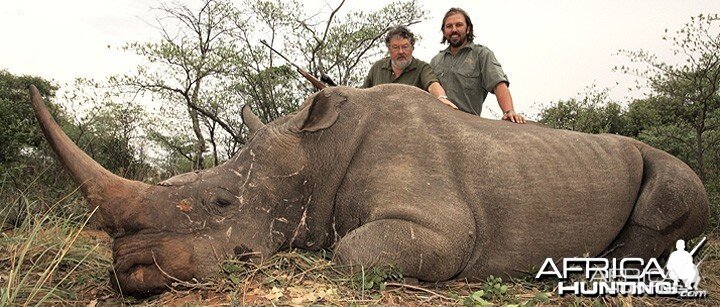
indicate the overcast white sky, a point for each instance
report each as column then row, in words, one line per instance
column 550, row 49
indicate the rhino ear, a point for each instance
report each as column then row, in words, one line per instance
column 321, row 113
column 250, row 119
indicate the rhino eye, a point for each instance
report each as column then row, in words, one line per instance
column 221, row 197
column 221, row 202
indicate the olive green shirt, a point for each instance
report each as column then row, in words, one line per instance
column 418, row 73
column 468, row 76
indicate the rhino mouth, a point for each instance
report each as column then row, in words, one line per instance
column 149, row 264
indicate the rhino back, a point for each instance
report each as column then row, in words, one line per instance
column 500, row 187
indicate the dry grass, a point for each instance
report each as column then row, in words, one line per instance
column 53, row 260
column 301, row 278
column 47, row 260
column 61, row 265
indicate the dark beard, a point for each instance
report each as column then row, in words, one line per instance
column 457, row 43
column 461, row 40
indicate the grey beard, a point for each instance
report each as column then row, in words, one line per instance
column 401, row 64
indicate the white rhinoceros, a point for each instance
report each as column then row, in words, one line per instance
column 388, row 175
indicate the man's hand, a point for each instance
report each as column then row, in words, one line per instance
column 447, row 102
column 510, row 115
column 502, row 93
column 438, row 91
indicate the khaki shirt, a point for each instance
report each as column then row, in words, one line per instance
column 418, row 73
column 468, row 76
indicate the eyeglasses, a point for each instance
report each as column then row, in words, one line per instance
column 403, row 47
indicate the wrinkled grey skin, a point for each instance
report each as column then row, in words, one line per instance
column 388, row 175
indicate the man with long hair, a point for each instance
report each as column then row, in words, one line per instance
column 469, row 71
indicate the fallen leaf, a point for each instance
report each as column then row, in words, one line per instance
column 274, row 294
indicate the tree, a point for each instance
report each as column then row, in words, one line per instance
column 108, row 126
column 19, row 130
column 591, row 112
column 684, row 105
column 209, row 62
column 184, row 64
column 28, row 171
column 345, row 45
column 337, row 44
column 24, row 165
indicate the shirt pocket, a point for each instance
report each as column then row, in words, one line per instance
column 439, row 71
column 471, row 82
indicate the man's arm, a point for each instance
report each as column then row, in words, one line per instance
column 438, row 91
column 429, row 80
column 502, row 93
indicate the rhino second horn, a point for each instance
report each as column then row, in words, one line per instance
column 250, row 119
column 101, row 187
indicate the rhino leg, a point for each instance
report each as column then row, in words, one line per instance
column 416, row 250
column 671, row 205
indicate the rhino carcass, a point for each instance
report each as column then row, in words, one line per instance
column 390, row 176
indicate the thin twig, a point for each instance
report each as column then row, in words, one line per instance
column 394, row 284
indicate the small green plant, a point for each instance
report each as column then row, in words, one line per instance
column 494, row 288
column 378, row 277
column 476, row 299
column 234, row 269
column 540, row 298
column 493, row 291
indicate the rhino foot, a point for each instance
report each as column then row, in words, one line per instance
column 416, row 250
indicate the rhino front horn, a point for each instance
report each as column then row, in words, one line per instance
column 102, row 188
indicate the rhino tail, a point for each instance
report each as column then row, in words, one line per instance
column 672, row 204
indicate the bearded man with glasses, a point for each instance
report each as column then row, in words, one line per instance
column 401, row 67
